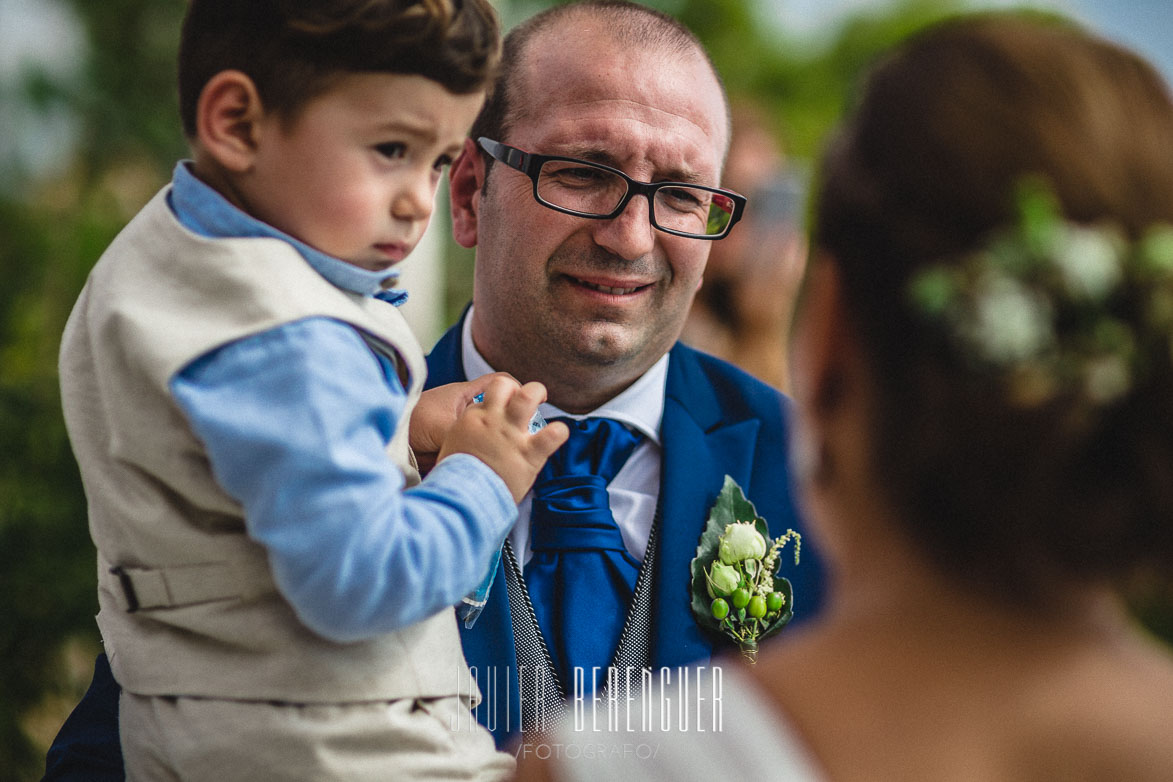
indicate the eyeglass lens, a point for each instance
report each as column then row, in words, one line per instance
column 596, row 191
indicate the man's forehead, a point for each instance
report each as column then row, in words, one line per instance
column 628, row 137
column 588, row 93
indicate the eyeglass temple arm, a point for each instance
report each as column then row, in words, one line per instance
column 510, row 156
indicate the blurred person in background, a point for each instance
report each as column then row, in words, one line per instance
column 742, row 311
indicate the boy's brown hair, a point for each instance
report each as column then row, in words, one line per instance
column 293, row 50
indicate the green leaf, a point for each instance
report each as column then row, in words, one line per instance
column 701, row 602
column 781, row 585
column 933, row 290
column 763, row 530
column 1155, row 254
column 1040, row 214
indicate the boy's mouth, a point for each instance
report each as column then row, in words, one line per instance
column 394, row 251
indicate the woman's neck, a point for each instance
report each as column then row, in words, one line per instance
column 891, row 582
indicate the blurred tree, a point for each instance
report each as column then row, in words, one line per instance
column 52, row 232
column 129, row 100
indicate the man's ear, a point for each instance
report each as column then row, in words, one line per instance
column 228, row 120
column 466, row 179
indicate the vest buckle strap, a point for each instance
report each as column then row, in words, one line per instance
column 127, row 584
column 177, row 586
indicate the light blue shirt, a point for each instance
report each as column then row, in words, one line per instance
column 296, row 421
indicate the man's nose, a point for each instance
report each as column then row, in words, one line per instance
column 630, row 234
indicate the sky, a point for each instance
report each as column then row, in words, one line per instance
column 1144, row 25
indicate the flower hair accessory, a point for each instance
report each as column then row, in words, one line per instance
column 736, row 591
column 1058, row 306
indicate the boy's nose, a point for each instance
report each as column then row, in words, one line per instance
column 416, row 199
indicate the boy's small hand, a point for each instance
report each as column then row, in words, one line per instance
column 496, row 431
column 436, row 412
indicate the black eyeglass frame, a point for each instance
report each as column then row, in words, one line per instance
column 531, row 164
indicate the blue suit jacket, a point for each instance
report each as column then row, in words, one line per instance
column 717, row 420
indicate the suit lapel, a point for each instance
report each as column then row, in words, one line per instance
column 445, row 363
column 701, row 444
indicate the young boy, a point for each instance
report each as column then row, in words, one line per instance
column 275, row 601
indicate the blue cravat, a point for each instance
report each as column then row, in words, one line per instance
column 581, row 578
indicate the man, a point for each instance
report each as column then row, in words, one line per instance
column 592, row 308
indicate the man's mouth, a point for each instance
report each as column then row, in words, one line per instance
column 613, row 287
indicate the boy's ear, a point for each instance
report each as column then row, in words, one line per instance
column 228, row 119
column 466, row 179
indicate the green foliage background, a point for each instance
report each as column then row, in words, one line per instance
column 53, row 230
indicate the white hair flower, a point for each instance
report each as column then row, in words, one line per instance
column 1056, row 306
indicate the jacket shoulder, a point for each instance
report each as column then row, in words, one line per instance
column 736, row 391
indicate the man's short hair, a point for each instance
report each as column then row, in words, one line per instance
column 293, row 51
column 631, row 24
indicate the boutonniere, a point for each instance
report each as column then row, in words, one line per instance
column 736, row 589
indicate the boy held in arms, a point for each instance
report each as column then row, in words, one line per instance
column 275, row 593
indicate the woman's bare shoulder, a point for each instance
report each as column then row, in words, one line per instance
column 1107, row 717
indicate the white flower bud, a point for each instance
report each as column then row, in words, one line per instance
column 741, row 541
column 723, row 579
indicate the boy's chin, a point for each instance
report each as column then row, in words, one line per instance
column 372, row 264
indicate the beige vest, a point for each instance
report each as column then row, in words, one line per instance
column 208, row 620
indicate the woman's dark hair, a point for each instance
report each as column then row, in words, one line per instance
column 1021, row 500
column 293, row 50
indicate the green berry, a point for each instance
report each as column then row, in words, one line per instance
column 757, row 606
column 740, row 597
column 774, row 602
column 719, row 608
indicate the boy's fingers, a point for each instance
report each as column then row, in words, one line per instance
column 498, row 391
column 473, row 388
column 524, row 403
column 534, row 390
column 478, row 385
column 550, row 438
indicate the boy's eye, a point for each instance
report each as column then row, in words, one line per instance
column 392, row 150
column 442, row 162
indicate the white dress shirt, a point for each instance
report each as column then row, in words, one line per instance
column 636, row 488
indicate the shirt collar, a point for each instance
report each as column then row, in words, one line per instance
column 640, row 405
column 202, row 210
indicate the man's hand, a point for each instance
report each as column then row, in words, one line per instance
column 496, row 431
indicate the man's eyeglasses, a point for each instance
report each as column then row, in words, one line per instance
column 586, row 189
